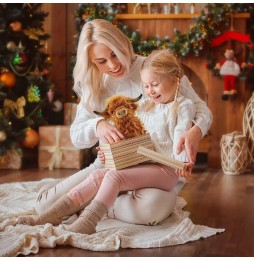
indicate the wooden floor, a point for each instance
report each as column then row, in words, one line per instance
column 213, row 199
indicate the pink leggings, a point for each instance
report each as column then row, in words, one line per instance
column 106, row 184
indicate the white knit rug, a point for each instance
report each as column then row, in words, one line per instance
column 18, row 199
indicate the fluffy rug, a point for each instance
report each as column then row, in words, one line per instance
column 18, row 199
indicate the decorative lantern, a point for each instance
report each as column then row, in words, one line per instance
column 248, row 128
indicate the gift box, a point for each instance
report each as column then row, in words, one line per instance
column 123, row 154
column 11, row 160
column 70, row 110
column 56, row 149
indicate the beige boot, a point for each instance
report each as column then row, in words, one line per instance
column 62, row 207
column 87, row 221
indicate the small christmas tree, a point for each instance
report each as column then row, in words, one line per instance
column 25, row 90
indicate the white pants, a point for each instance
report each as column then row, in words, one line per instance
column 147, row 206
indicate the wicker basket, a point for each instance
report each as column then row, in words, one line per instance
column 248, row 129
column 234, row 155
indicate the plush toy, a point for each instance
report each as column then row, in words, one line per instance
column 229, row 70
column 120, row 110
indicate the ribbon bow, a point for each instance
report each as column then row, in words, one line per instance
column 17, row 106
column 56, row 150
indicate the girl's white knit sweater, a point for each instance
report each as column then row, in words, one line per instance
column 165, row 125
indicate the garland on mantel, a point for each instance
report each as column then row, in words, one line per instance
column 214, row 19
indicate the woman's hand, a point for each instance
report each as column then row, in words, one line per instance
column 108, row 133
column 185, row 172
column 190, row 140
column 100, row 155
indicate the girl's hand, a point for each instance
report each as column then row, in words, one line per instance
column 101, row 155
column 190, row 140
column 187, row 172
column 108, row 133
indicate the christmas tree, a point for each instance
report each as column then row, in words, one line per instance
column 25, row 88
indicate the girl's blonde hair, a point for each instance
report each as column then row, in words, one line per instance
column 88, row 80
column 165, row 64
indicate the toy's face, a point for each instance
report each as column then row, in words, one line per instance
column 229, row 54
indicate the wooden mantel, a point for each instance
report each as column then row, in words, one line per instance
column 168, row 16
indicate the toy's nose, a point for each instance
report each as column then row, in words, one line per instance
column 120, row 113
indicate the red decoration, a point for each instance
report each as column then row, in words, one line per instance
column 229, row 70
column 230, row 35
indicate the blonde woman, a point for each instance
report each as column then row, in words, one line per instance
column 107, row 65
column 173, row 114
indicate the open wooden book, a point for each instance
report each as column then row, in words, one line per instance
column 133, row 151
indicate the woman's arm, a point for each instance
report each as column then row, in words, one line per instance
column 83, row 128
column 203, row 117
column 88, row 128
column 202, row 122
column 185, row 114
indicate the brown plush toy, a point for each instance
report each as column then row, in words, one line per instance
column 120, row 110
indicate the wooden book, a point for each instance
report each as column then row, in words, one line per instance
column 157, row 157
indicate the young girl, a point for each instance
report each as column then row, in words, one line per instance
column 166, row 115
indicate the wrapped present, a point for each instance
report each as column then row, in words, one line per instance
column 56, row 149
column 10, row 160
column 70, row 110
column 123, row 154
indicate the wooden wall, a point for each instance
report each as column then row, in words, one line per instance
column 227, row 115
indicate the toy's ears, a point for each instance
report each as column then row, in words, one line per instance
column 136, row 99
column 103, row 113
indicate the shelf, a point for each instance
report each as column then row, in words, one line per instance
column 168, row 16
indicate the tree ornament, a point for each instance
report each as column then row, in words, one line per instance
column 33, row 94
column 3, row 160
column 57, row 106
column 17, row 59
column 3, row 136
column 31, row 139
column 11, row 46
column 8, row 79
column 16, row 26
column 50, row 95
column 33, row 33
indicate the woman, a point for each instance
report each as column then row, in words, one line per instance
column 107, row 65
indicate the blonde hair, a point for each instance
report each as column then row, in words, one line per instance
column 88, row 80
column 165, row 64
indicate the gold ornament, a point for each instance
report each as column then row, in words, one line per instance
column 11, row 46
column 33, row 33
column 17, row 106
column 3, row 160
column 2, row 136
